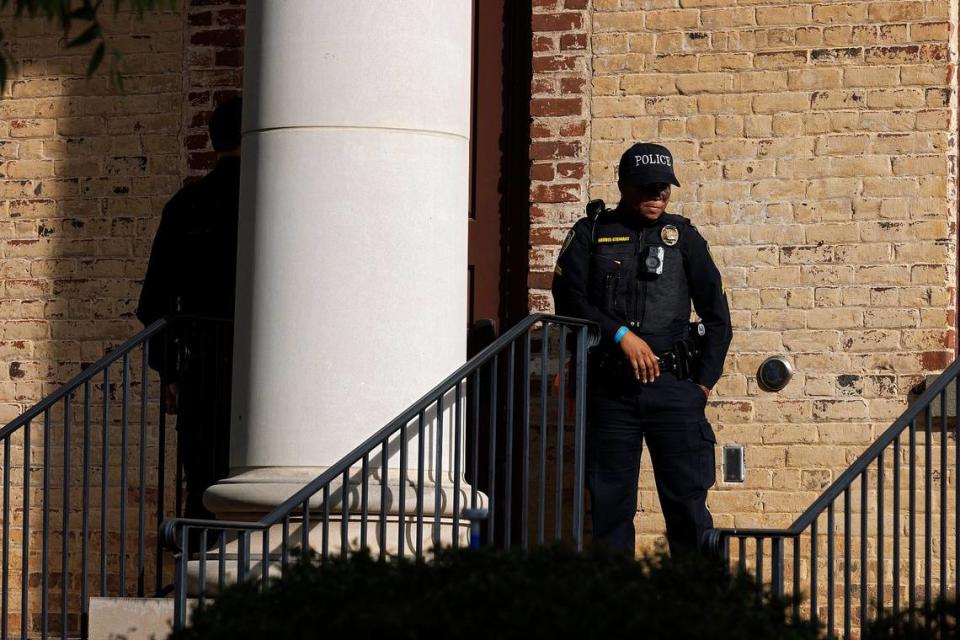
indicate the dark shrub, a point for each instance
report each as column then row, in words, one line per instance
column 549, row 593
column 939, row 622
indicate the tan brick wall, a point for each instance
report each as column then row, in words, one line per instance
column 816, row 148
column 84, row 173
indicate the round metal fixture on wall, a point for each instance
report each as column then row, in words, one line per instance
column 774, row 373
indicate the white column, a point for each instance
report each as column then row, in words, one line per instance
column 351, row 299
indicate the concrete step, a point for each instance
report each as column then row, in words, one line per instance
column 132, row 618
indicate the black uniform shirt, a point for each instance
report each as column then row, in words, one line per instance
column 193, row 262
column 600, row 277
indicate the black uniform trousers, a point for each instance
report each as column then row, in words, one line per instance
column 203, row 415
column 669, row 414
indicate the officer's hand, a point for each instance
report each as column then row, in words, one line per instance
column 641, row 357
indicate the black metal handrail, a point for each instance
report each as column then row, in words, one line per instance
column 495, row 399
column 104, row 557
column 875, row 597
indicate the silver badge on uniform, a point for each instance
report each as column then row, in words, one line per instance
column 670, row 235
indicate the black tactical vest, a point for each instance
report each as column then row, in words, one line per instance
column 618, row 283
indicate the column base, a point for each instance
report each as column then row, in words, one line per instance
column 252, row 494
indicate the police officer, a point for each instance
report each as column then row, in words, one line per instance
column 192, row 271
column 634, row 270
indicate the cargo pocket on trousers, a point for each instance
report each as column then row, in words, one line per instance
column 708, row 456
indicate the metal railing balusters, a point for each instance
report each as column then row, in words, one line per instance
column 305, row 527
column 65, row 583
column 25, row 542
column 492, row 471
column 243, row 555
column 104, row 477
column 776, row 566
column 325, row 534
column 887, row 602
column 284, row 547
column 438, row 475
column 880, row 528
column 912, row 511
column 758, row 567
column 202, row 569
column 508, row 443
column 364, row 500
column 457, row 443
column 846, row 563
column 863, row 544
column 895, row 525
column 384, row 505
column 943, row 491
column 124, row 470
column 161, row 459
column 421, row 462
column 85, row 512
column 814, row 584
column 525, row 448
column 542, row 470
column 222, row 562
column 795, row 594
column 172, row 530
column 402, row 497
column 475, row 439
column 65, row 530
column 344, row 512
column 561, row 415
column 180, row 596
column 142, row 506
column 5, row 585
column 264, row 559
column 580, row 435
column 831, row 600
column 927, row 503
column 742, row 554
column 45, row 577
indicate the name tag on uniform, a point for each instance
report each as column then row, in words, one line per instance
column 613, row 239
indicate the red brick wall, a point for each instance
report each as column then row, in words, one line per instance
column 213, row 72
column 559, row 132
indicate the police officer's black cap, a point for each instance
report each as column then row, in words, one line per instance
column 647, row 163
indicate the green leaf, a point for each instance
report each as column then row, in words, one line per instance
column 87, row 36
column 96, row 59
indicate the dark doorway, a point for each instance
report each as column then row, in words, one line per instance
column 499, row 161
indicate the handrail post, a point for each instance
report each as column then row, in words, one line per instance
column 776, row 561
column 580, row 437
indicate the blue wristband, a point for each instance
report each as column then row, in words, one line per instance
column 622, row 332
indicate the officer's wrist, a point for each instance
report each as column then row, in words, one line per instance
column 622, row 331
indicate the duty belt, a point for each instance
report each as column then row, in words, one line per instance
column 681, row 361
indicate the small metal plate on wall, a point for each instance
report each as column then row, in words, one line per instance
column 774, row 373
column 734, row 468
